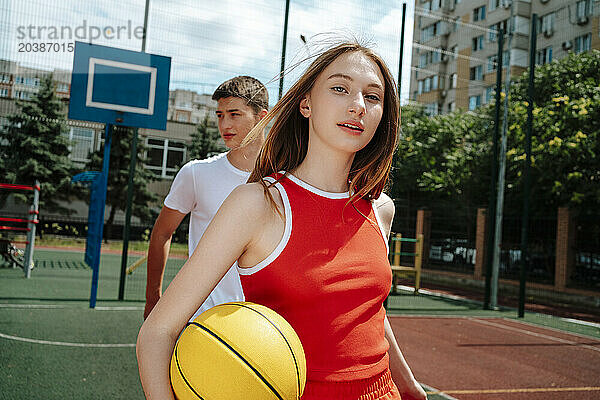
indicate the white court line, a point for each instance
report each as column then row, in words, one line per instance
column 540, row 335
column 557, row 330
column 59, row 306
column 67, row 344
column 502, row 308
column 431, row 389
column 41, row 306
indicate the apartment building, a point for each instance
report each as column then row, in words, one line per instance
column 456, row 45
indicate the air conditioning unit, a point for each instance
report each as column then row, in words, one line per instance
column 567, row 45
column 444, row 58
column 544, row 1
column 548, row 32
column 506, row 3
column 443, row 93
column 582, row 20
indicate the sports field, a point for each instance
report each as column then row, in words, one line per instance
column 52, row 346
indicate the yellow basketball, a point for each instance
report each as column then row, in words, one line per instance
column 238, row 351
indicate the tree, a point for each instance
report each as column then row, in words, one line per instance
column 34, row 146
column 205, row 141
column 446, row 158
column 118, row 178
column 442, row 162
column 566, row 134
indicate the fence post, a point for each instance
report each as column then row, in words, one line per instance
column 565, row 241
column 418, row 262
column 424, row 228
column 397, row 250
column 480, row 242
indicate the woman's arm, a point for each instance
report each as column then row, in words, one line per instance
column 230, row 233
column 401, row 374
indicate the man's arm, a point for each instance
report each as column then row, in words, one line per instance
column 158, row 251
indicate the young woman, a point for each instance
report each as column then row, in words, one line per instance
column 308, row 240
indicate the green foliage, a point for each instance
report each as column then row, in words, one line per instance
column 34, row 146
column 118, row 176
column 442, row 162
column 205, row 142
column 446, row 159
column 566, row 133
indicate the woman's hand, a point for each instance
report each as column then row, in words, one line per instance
column 412, row 391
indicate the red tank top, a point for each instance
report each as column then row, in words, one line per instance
column 328, row 277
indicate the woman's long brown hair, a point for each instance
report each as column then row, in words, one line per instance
column 287, row 142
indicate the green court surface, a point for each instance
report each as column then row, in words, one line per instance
column 53, row 346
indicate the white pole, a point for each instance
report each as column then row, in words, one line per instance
column 501, row 170
column 33, row 218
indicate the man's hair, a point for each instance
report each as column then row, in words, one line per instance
column 247, row 88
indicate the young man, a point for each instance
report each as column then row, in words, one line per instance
column 202, row 185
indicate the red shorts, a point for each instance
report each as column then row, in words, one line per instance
column 379, row 387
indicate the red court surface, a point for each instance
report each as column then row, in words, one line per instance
column 487, row 358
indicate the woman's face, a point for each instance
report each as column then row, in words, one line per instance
column 345, row 105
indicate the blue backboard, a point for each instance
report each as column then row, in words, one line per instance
column 119, row 87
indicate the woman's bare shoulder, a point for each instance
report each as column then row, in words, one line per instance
column 251, row 199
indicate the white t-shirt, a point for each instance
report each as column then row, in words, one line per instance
column 200, row 188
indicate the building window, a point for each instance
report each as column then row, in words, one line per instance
column 422, row 60
column 164, row 156
column 477, row 43
column 584, row 8
column 451, row 106
column 434, row 82
column 3, row 92
column 505, row 58
column 583, row 43
column 476, row 73
column 454, row 50
column 21, row 95
column 420, row 87
column 453, row 80
column 546, row 23
column 436, row 5
column 479, row 14
column 492, row 61
column 19, row 79
column 431, row 109
column 81, row 143
column 493, row 35
column 495, row 4
column 4, row 78
column 427, row 85
column 474, row 102
column 489, row 93
column 62, row 87
column 544, row 56
column 430, row 31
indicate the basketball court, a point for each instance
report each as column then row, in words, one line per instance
column 51, row 342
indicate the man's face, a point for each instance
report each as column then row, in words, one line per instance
column 236, row 119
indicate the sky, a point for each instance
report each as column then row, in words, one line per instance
column 208, row 41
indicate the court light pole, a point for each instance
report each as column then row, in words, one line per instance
column 285, row 30
column 526, row 171
column 502, row 169
column 402, row 29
